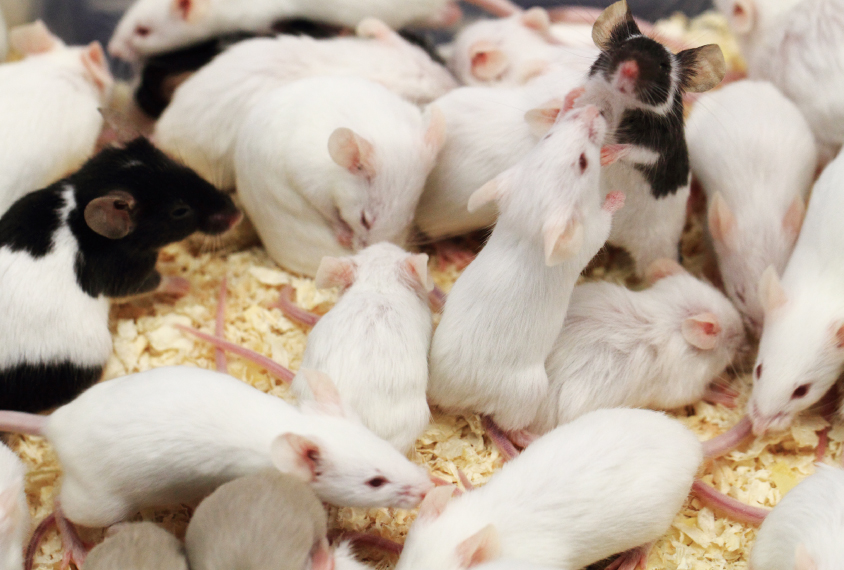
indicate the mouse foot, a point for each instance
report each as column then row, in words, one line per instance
column 172, row 287
column 521, row 437
column 75, row 549
column 452, row 252
column 719, row 393
column 287, row 305
column 632, row 559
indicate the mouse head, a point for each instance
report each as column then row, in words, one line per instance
column 801, row 353
column 378, row 201
column 377, row 265
column 155, row 26
column 505, row 50
column 644, row 72
column 746, row 246
column 440, row 538
column 137, row 199
column 345, row 463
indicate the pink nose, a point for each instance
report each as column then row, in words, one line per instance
column 628, row 73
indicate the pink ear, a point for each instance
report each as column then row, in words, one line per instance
column 492, row 191
column 662, row 268
column 93, row 58
column 839, row 337
column 802, row 559
column 111, row 215
column 322, row 557
column 295, row 455
column 417, row 266
column 562, row 241
column 742, row 16
column 435, row 502
column 435, row 134
column 190, row 10
column 793, row 220
column 488, row 62
column 702, row 331
column 32, row 39
column 771, row 293
column 352, row 152
column 335, row 272
column 537, row 18
column 483, row 546
column 543, row 118
column 721, row 219
column 614, row 152
column 374, row 28
column 325, row 393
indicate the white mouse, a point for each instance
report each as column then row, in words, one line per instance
column 329, row 165
column 755, row 157
column 610, row 481
column 801, row 351
column 14, row 511
column 174, row 434
column 50, row 119
column 488, row 130
column 805, row 529
column 138, row 546
column 511, row 51
column 638, row 84
column 506, row 309
column 155, row 26
column 383, row 380
column 794, row 45
column 657, row 348
column 201, row 124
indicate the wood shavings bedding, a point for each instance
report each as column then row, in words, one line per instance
column 145, row 337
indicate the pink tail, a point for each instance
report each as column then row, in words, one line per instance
column 497, row 7
column 219, row 326
column 294, row 312
column 37, row 536
column 728, row 506
column 19, row 422
column 465, row 481
column 729, row 440
column 270, row 365
column 502, row 442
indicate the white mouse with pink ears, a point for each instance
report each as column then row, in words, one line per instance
column 755, row 157
column 14, row 511
column 374, row 342
column 50, row 117
column 506, row 310
column 801, row 351
column 611, row 481
column 659, row 348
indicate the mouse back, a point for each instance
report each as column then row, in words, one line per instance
column 138, row 546
column 255, row 520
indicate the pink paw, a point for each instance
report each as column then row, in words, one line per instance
column 613, row 202
column 173, row 287
column 573, row 95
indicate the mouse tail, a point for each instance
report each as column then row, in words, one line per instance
column 20, row 422
column 727, row 441
column 728, row 506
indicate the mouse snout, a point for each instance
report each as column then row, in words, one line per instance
column 595, row 123
column 626, row 77
column 222, row 222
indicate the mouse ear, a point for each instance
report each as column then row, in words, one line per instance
column 326, row 399
column 614, row 25
column 111, row 215
column 488, row 62
column 492, row 191
column 189, row 10
column 702, row 330
column 720, row 219
column 741, row 14
column 417, row 266
column 541, row 119
column 702, row 68
column 295, row 455
column 802, row 559
column 321, row 557
column 352, row 152
column 32, row 39
column 662, row 268
column 435, row 502
column 537, row 19
column 771, row 293
column 94, row 61
column 793, row 220
column 335, row 272
column 436, row 131
column 563, row 240
column 483, row 546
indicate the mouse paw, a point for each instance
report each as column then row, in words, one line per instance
column 571, row 98
column 173, row 287
column 632, row 559
column 718, row 393
column 450, row 252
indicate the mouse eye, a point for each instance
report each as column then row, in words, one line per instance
column 376, row 482
column 758, row 371
column 583, row 163
column 365, row 221
column 180, row 211
column 800, row 392
column 142, row 31
column 664, row 66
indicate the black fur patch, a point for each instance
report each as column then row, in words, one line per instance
column 30, row 223
column 664, row 135
column 38, row 387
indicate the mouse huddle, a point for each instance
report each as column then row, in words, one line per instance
column 345, row 151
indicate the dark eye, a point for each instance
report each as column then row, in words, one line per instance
column 800, row 391
column 142, row 31
column 664, row 66
column 365, row 221
column 180, row 211
column 313, row 455
column 583, row 163
column 758, row 371
column 376, row 482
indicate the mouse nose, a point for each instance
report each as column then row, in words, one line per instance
column 628, row 74
column 222, row 222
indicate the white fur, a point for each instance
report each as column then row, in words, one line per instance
column 505, row 311
column 14, row 512
column 4, row 40
column 797, row 45
column 47, row 316
column 299, row 199
column 49, row 120
column 625, row 348
column 200, row 125
column 527, row 52
column 344, row 558
column 168, row 29
column 810, row 514
column 798, row 344
column 511, row 564
column 381, row 371
column 751, row 144
column 174, row 434
column 610, row 481
column 486, row 133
